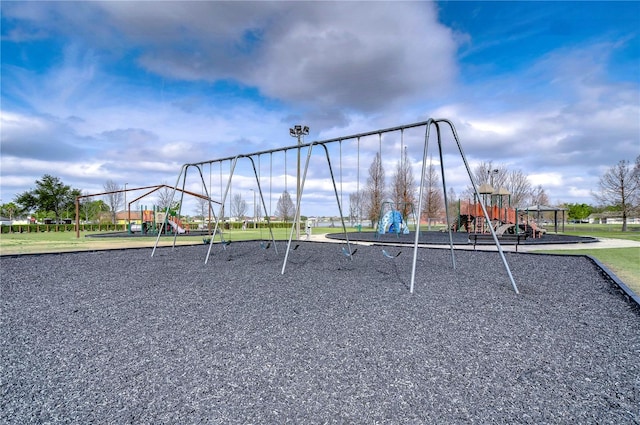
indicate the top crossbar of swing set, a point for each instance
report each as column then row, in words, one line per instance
column 436, row 122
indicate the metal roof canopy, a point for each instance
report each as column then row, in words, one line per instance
column 545, row 208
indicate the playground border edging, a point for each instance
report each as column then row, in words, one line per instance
column 627, row 292
column 613, row 278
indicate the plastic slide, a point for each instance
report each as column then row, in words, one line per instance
column 176, row 227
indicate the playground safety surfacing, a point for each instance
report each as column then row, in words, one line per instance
column 459, row 238
column 123, row 337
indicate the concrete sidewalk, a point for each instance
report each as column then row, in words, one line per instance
column 600, row 244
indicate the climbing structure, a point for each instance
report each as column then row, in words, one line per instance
column 391, row 219
column 502, row 219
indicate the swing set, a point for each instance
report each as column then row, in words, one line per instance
column 347, row 250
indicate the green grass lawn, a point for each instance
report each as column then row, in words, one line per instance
column 42, row 242
column 624, row 262
column 603, row 231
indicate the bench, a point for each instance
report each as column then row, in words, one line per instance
column 508, row 239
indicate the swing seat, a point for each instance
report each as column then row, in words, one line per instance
column 347, row 253
column 386, row 254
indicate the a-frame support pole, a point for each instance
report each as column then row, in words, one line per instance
column 335, row 189
column 475, row 191
column 183, row 173
column 234, row 161
column 264, row 205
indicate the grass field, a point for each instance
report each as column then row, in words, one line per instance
column 603, row 231
column 30, row 243
column 625, row 262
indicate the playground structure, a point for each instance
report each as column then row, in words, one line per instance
column 391, row 219
column 256, row 173
column 503, row 219
column 154, row 221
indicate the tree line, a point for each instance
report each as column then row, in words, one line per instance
column 618, row 191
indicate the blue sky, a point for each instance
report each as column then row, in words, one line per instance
column 129, row 91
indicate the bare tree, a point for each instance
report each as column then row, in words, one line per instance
column 403, row 189
column 165, row 198
column 432, row 199
column 238, row 206
column 357, row 203
column 486, row 173
column 453, row 207
column 204, row 209
column 539, row 196
column 285, row 209
column 114, row 197
column 375, row 188
column 620, row 187
column 518, row 184
column 499, row 176
column 258, row 210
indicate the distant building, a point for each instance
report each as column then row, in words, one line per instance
column 122, row 217
column 611, row 217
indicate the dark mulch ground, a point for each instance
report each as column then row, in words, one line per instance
column 120, row 337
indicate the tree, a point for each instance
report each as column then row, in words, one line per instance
column 238, row 206
column 539, row 196
column 497, row 176
column 203, row 209
column 432, row 199
column 165, row 198
column 356, row 206
column 285, row 209
column 90, row 209
column 517, row 183
column 114, row 197
column 375, row 188
column 620, row 187
column 403, row 186
column 10, row 210
column 453, row 206
column 579, row 211
column 50, row 194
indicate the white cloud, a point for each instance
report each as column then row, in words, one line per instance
column 562, row 120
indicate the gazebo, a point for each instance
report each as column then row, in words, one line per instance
column 545, row 208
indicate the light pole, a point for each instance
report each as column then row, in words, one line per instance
column 125, row 207
column 298, row 131
column 492, row 173
column 255, row 213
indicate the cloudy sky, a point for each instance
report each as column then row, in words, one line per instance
column 129, row 91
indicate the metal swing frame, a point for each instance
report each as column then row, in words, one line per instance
column 427, row 124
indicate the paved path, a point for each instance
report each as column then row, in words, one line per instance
column 600, row 244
